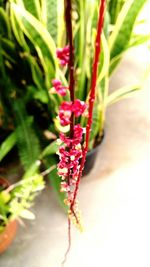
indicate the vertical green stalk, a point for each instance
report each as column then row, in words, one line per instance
column 82, row 47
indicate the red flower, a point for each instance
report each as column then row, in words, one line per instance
column 61, row 90
column 63, row 55
column 78, row 107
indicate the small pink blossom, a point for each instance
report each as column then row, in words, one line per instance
column 63, row 55
column 64, row 187
column 66, row 108
column 78, row 107
column 65, row 139
column 65, row 113
column 60, row 89
column 78, row 132
column 68, row 141
column 76, row 154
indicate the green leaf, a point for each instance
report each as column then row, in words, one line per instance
column 49, row 16
column 7, row 145
column 4, row 23
column 60, row 21
column 114, row 9
column 122, row 93
column 139, row 39
column 95, row 123
column 27, row 141
column 44, row 45
column 121, row 35
column 59, row 127
column 55, row 181
column 33, row 170
column 8, row 49
column 34, row 93
column 106, row 55
column 50, row 149
column 17, row 31
column 37, row 74
column 33, row 6
column 87, row 13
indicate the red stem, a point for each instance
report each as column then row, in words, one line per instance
column 92, row 93
column 68, row 9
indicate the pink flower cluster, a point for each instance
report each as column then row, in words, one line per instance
column 59, row 88
column 69, row 155
column 63, row 55
column 67, row 108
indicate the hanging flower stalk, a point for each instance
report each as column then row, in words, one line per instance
column 92, row 94
column 71, row 154
column 70, row 151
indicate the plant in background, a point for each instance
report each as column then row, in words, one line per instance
column 16, row 201
column 34, row 83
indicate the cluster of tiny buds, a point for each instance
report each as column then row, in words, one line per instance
column 69, row 154
column 63, row 55
column 67, row 108
column 58, row 87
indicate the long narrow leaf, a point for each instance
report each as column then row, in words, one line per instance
column 49, row 16
column 120, row 37
column 34, row 30
column 50, row 149
column 105, row 67
column 122, row 93
column 33, row 6
column 55, row 181
column 7, row 145
column 4, row 23
column 139, row 39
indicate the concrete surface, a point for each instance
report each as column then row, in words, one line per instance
column 114, row 198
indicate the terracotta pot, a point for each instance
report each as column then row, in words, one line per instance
column 7, row 236
column 9, row 232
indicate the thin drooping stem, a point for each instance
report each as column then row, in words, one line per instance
column 68, row 19
column 69, row 243
column 92, row 93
